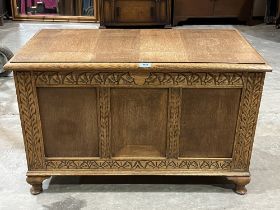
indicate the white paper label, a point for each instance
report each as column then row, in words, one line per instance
column 145, row 65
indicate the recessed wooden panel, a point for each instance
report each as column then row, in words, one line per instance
column 139, row 120
column 163, row 11
column 135, row 11
column 208, row 122
column 107, row 10
column 231, row 8
column 198, row 8
column 69, row 121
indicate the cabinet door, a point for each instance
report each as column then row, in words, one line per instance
column 193, row 8
column 163, row 11
column 106, row 12
column 232, row 8
column 135, row 11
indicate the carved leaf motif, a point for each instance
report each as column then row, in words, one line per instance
column 104, row 121
column 194, row 79
column 30, row 120
column 55, row 79
column 248, row 118
column 141, row 164
column 223, row 79
column 70, row 79
column 174, row 122
column 126, row 78
column 180, row 79
column 209, row 79
column 84, row 78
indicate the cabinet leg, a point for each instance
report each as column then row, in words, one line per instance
column 36, row 182
column 240, row 183
column 278, row 22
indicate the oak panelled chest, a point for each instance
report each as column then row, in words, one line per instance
column 138, row 102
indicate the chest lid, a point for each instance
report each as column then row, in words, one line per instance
column 134, row 46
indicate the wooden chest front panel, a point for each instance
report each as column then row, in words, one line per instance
column 123, row 121
column 208, row 122
column 69, row 121
column 139, row 122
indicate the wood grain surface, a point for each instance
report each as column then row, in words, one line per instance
column 135, row 45
column 69, row 121
column 208, row 122
column 135, row 12
column 139, row 130
column 87, row 107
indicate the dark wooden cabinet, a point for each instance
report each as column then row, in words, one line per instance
column 241, row 9
column 278, row 16
column 192, row 8
column 1, row 13
column 135, row 12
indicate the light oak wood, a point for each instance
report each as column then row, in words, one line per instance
column 217, row 118
column 70, row 172
column 134, row 67
column 240, row 183
column 69, row 119
column 88, row 106
column 36, row 183
column 133, row 46
column 143, row 110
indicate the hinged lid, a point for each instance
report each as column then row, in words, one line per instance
column 197, row 46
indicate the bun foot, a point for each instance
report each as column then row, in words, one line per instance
column 240, row 183
column 240, row 189
column 36, row 189
column 36, row 182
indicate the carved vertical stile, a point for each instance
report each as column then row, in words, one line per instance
column 30, row 120
column 174, row 117
column 104, row 122
column 247, row 120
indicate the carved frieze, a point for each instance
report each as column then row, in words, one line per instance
column 140, row 164
column 139, row 79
